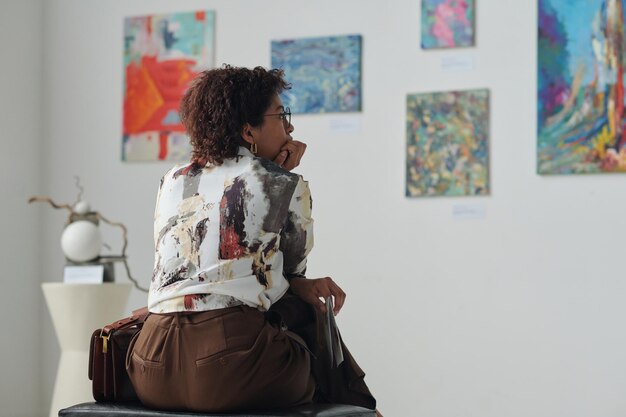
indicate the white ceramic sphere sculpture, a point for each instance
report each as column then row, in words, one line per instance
column 81, row 207
column 81, row 241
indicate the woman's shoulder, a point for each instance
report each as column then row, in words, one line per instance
column 271, row 170
column 191, row 169
column 276, row 181
column 266, row 171
column 181, row 169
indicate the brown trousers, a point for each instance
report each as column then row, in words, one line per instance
column 237, row 359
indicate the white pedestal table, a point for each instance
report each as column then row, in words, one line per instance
column 77, row 310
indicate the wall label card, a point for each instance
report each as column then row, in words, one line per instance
column 457, row 63
column 83, row 274
column 344, row 125
column 469, row 211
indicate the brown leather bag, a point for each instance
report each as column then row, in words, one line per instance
column 107, row 358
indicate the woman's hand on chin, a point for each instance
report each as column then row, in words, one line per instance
column 310, row 290
column 290, row 154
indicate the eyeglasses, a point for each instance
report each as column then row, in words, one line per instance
column 285, row 115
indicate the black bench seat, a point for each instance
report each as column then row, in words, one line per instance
column 95, row 409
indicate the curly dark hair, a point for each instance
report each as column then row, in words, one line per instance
column 220, row 102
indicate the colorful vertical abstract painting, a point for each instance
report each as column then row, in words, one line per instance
column 447, row 23
column 325, row 73
column 447, row 150
column 162, row 54
column 580, row 94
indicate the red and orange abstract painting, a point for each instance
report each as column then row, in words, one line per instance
column 162, row 54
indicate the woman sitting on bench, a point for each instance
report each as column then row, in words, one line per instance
column 234, row 323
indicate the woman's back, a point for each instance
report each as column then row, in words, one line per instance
column 221, row 233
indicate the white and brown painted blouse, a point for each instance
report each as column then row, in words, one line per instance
column 228, row 235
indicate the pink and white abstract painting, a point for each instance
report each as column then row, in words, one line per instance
column 447, row 23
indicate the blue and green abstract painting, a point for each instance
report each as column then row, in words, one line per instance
column 580, row 95
column 325, row 73
column 447, row 150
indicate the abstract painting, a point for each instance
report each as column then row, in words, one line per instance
column 325, row 73
column 447, row 150
column 580, row 94
column 447, row 23
column 162, row 54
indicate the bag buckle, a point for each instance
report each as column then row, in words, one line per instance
column 105, row 342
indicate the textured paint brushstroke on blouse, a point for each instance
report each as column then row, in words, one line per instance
column 228, row 235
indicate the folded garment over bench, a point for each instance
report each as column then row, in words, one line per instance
column 136, row 410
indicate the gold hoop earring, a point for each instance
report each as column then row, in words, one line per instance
column 253, row 148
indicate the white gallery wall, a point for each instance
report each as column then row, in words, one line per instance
column 20, row 158
column 518, row 313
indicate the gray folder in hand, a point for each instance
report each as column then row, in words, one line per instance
column 331, row 335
